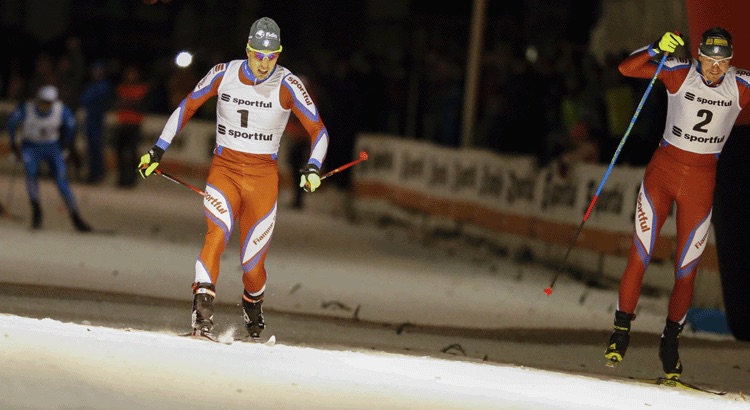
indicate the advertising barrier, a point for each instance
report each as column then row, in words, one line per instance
column 511, row 202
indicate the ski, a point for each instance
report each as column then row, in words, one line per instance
column 663, row 381
column 268, row 342
column 205, row 336
column 212, row 338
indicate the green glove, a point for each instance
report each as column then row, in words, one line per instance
column 310, row 179
column 149, row 161
column 669, row 42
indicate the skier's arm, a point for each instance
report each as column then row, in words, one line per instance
column 17, row 117
column 294, row 95
column 743, row 86
column 641, row 64
column 205, row 89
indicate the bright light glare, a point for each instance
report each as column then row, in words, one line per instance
column 183, row 59
column 532, row 54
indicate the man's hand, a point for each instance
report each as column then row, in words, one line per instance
column 149, row 161
column 669, row 42
column 310, row 179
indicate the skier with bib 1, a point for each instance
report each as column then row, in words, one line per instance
column 255, row 99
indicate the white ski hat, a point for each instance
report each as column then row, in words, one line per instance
column 47, row 93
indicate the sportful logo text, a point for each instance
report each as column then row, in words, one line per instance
column 258, row 136
column 293, row 81
column 261, row 104
column 720, row 103
column 216, row 203
column 643, row 222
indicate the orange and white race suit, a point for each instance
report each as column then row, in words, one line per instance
column 243, row 182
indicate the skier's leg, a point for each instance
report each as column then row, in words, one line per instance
column 669, row 349
column 693, row 223
column 652, row 209
column 202, row 317
column 31, row 158
column 222, row 197
column 257, row 222
column 56, row 163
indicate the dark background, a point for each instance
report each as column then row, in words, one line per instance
column 133, row 29
column 381, row 66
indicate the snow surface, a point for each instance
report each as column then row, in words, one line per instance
column 50, row 364
column 314, row 257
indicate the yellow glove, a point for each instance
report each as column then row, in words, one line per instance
column 149, row 161
column 669, row 42
column 310, row 179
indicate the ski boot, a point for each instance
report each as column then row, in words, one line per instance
column 253, row 315
column 668, row 354
column 78, row 223
column 36, row 215
column 618, row 342
column 203, row 309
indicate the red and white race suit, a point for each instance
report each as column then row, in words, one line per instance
column 682, row 170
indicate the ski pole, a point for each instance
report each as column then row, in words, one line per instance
column 362, row 157
column 548, row 290
column 178, row 181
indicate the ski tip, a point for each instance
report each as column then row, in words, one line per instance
column 271, row 340
column 674, row 381
column 206, row 336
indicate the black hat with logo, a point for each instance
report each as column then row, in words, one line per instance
column 716, row 42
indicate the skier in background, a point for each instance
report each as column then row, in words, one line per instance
column 47, row 130
column 256, row 98
column 705, row 96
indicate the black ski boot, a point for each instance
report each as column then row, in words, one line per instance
column 253, row 315
column 618, row 342
column 78, row 223
column 668, row 350
column 203, row 309
column 36, row 215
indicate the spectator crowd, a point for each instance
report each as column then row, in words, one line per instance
column 554, row 103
